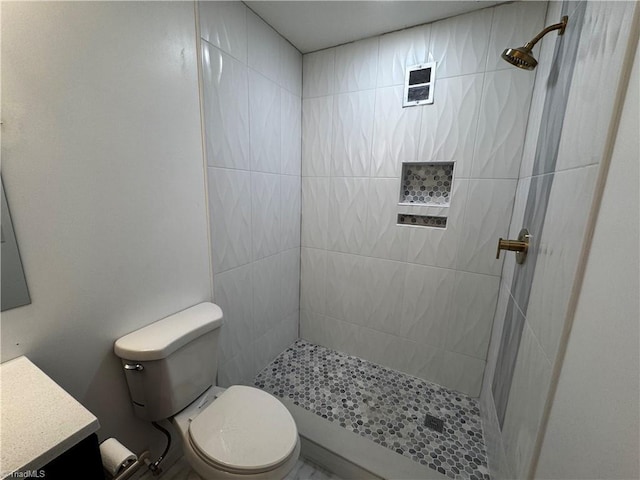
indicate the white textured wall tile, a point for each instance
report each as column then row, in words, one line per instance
column 437, row 246
column 383, row 293
column 226, row 109
column 399, row 50
column 290, row 133
column 599, row 66
column 356, row 65
column 517, row 224
column 486, row 219
column 504, row 297
column 347, row 214
column 290, row 68
column 262, row 348
column 290, row 211
column 346, row 287
column 315, row 212
column 290, row 283
column 542, row 72
column 311, row 327
column 317, row 133
column 423, row 361
column 529, row 389
column 427, row 303
column 224, row 24
column 230, row 210
column 384, row 237
column 290, row 330
column 318, row 73
column 240, row 370
column 558, row 254
column 395, row 133
column 459, row 44
column 462, row 373
column 265, row 214
column 502, row 124
column 264, row 116
column 267, row 290
column 253, row 122
column 313, row 277
column 448, row 127
column 281, row 337
column 492, row 436
column 327, row 331
column 374, row 346
column 233, row 292
column 352, row 135
column 474, row 305
column 514, row 25
column 263, row 47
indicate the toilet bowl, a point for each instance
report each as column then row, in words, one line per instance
column 239, row 432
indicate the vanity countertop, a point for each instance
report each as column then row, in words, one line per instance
column 40, row 420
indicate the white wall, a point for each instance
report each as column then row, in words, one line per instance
column 594, row 423
column 599, row 60
column 420, row 300
column 103, row 169
column 251, row 89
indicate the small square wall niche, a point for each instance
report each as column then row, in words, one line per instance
column 426, row 183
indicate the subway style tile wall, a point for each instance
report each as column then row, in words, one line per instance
column 390, row 288
column 252, row 86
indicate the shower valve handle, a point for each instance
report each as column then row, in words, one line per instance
column 520, row 246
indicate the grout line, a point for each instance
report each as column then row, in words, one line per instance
column 399, row 261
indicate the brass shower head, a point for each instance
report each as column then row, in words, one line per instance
column 522, row 57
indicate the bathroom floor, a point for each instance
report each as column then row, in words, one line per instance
column 383, row 405
column 303, row 470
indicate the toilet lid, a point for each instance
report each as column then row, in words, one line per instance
column 245, row 429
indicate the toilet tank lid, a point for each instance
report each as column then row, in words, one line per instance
column 160, row 339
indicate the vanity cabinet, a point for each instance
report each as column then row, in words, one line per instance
column 46, row 433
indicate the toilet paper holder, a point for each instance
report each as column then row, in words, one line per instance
column 119, row 462
column 143, row 460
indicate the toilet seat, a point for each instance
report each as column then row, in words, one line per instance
column 245, row 431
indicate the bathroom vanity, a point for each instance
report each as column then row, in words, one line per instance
column 45, row 431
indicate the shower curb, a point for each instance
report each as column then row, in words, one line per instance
column 349, row 455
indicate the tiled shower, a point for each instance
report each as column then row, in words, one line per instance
column 321, row 230
column 419, row 299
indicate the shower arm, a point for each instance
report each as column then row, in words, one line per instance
column 557, row 26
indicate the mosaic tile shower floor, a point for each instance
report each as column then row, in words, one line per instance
column 383, row 405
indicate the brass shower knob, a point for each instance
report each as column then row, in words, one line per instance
column 520, row 246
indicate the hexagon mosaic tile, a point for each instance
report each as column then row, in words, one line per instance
column 422, row 220
column 426, row 183
column 383, row 405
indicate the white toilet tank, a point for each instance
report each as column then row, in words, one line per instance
column 169, row 363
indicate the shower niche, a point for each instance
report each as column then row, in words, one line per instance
column 425, row 194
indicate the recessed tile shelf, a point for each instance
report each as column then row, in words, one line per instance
column 426, row 183
column 422, row 220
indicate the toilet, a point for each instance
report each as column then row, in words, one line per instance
column 235, row 433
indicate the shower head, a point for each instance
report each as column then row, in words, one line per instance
column 522, row 57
